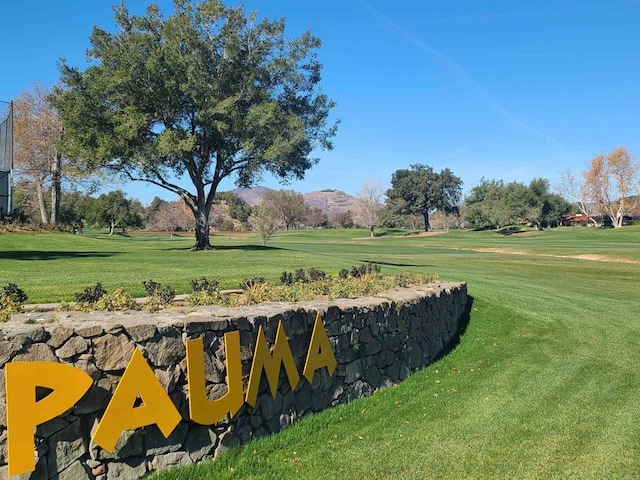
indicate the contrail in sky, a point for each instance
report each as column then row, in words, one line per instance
column 459, row 70
column 530, row 11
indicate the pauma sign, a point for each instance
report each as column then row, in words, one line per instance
column 139, row 386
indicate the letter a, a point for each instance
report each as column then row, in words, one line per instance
column 320, row 353
column 24, row 412
column 201, row 409
column 138, row 380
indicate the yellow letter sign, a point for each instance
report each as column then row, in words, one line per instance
column 320, row 353
column 201, row 409
column 24, row 413
column 264, row 360
column 138, row 380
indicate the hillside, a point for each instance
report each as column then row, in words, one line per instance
column 329, row 201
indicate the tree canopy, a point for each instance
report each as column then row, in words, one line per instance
column 420, row 191
column 204, row 94
column 492, row 204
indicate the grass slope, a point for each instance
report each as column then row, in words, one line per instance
column 543, row 384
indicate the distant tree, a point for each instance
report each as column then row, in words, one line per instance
column 264, row 223
column 369, row 201
column 73, row 209
column 156, row 204
column 342, row 219
column 170, row 217
column 491, row 204
column 390, row 216
column 613, row 183
column 575, row 191
column 114, row 210
column 206, row 93
column 37, row 131
column 421, row 191
column 316, row 217
column 444, row 221
column 484, row 205
column 287, row 205
column 237, row 207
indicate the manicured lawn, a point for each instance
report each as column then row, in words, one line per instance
column 544, row 383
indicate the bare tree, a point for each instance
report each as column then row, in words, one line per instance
column 171, row 217
column 575, row 191
column 264, row 223
column 623, row 191
column 369, row 202
column 37, row 129
column 289, row 206
column 613, row 183
column 444, row 221
column 316, row 217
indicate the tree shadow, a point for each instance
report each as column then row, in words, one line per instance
column 396, row 264
column 392, row 232
column 246, row 248
column 51, row 255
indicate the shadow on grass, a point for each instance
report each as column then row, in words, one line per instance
column 245, row 248
column 52, row 255
column 462, row 328
column 396, row 264
column 392, row 232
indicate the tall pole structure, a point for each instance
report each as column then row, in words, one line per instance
column 6, row 161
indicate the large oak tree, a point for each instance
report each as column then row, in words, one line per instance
column 421, row 191
column 204, row 94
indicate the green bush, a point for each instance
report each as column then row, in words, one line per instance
column 90, row 295
column 158, row 296
column 205, row 292
column 117, row 300
column 15, row 293
column 12, row 298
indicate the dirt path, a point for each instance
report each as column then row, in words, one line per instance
column 585, row 256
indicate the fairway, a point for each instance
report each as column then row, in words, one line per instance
column 544, row 383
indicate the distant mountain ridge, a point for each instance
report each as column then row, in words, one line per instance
column 328, row 200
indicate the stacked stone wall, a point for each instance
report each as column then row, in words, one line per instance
column 377, row 341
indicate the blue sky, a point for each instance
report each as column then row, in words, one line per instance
column 509, row 90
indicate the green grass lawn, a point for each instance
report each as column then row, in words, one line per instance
column 545, row 382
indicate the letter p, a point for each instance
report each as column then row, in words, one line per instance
column 24, row 412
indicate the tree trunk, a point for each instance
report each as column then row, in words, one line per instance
column 55, row 189
column 427, row 226
column 44, row 217
column 202, row 229
column 371, row 231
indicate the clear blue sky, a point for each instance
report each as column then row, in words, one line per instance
column 503, row 89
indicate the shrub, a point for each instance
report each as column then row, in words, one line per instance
column 252, row 282
column 344, row 273
column 358, row 271
column 316, row 275
column 203, row 284
column 15, row 293
column 205, row 292
column 11, row 300
column 301, row 276
column 286, row 278
column 90, row 295
column 117, row 300
column 151, row 287
column 159, row 296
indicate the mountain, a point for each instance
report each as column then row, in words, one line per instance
column 251, row 196
column 329, row 201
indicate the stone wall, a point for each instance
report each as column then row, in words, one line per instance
column 377, row 341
